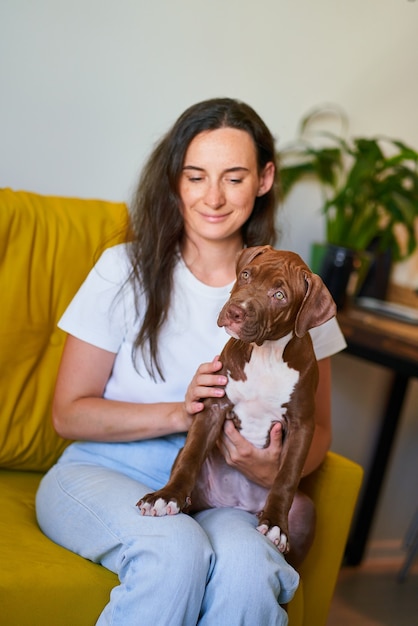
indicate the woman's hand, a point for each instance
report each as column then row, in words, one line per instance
column 206, row 383
column 257, row 464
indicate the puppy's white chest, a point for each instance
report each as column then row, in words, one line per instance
column 258, row 401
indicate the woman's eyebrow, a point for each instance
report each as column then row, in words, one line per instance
column 236, row 168
column 193, row 167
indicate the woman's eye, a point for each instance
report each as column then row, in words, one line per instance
column 235, row 181
column 279, row 295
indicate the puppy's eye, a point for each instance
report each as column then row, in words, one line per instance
column 279, row 295
column 245, row 274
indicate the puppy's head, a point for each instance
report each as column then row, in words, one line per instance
column 275, row 293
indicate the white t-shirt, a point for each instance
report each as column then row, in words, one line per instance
column 102, row 313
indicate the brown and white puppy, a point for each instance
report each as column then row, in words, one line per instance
column 272, row 376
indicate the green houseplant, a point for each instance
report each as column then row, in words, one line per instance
column 369, row 185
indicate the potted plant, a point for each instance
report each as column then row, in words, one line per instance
column 369, row 185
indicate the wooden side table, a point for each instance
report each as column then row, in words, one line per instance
column 392, row 344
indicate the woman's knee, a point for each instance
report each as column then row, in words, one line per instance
column 247, row 563
column 183, row 544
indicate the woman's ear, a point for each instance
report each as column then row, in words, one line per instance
column 266, row 179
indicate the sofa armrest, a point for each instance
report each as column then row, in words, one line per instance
column 334, row 488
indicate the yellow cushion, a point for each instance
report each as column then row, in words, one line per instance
column 295, row 608
column 334, row 488
column 47, row 246
column 40, row 582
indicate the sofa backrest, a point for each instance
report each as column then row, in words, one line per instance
column 47, row 247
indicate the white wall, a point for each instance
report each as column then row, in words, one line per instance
column 88, row 86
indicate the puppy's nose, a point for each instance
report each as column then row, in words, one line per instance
column 235, row 313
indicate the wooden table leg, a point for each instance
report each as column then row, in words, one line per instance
column 370, row 492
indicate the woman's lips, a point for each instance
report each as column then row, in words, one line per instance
column 214, row 218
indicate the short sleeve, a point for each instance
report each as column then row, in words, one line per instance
column 327, row 339
column 100, row 311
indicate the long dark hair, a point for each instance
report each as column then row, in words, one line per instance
column 156, row 221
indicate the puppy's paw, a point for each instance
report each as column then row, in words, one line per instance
column 275, row 535
column 158, row 507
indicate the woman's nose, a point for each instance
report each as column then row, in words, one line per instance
column 214, row 197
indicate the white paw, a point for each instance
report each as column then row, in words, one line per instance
column 159, row 508
column 276, row 536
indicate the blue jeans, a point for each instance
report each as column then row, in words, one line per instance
column 211, row 569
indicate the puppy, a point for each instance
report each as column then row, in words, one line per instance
column 272, row 377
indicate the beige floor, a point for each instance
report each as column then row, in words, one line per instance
column 370, row 595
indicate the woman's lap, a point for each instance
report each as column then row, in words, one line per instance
column 212, row 561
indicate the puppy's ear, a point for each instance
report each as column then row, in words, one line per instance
column 248, row 254
column 317, row 306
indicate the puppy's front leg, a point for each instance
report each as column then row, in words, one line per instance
column 274, row 517
column 201, row 438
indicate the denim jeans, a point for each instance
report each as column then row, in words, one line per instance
column 211, row 569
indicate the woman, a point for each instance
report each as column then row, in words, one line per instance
column 142, row 326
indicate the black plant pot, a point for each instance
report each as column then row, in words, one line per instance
column 343, row 270
column 336, row 267
column 376, row 282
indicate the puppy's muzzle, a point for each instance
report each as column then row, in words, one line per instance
column 240, row 321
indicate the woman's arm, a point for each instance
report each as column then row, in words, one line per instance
column 81, row 412
column 323, row 428
column 260, row 465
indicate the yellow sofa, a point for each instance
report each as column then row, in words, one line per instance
column 47, row 246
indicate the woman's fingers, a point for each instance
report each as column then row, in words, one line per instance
column 206, row 383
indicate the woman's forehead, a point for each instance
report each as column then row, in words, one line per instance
column 231, row 147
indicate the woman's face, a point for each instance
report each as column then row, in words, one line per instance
column 220, row 182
